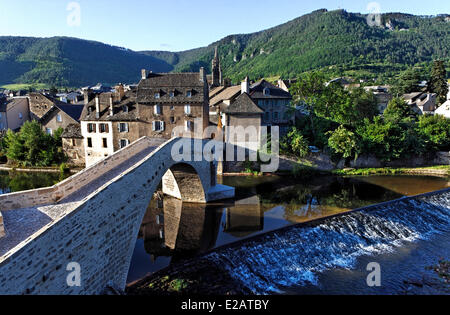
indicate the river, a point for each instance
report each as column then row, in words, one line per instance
column 173, row 231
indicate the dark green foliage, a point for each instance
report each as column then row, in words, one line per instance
column 33, row 147
column 344, row 142
column 338, row 42
column 438, row 81
column 295, row 143
column 407, row 82
column 63, row 61
column 398, row 110
column 436, row 131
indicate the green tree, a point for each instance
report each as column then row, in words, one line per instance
column 407, row 82
column 309, row 92
column 398, row 110
column 32, row 147
column 438, row 81
column 344, row 142
column 436, row 130
column 295, row 143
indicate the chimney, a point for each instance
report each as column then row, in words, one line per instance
column 97, row 107
column 202, row 74
column 86, row 95
column 120, row 92
column 111, row 106
column 143, row 74
column 245, row 86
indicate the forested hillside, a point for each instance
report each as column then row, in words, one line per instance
column 338, row 42
column 65, row 61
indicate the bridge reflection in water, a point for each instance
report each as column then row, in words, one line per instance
column 172, row 230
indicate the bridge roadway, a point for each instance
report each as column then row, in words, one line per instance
column 22, row 223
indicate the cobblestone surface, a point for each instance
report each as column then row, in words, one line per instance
column 21, row 224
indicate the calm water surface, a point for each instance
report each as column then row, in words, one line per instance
column 173, row 231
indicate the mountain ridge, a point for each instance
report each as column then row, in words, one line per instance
column 337, row 41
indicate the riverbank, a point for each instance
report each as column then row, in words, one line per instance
column 55, row 169
column 441, row 170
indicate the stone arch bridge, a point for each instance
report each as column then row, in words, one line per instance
column 93, row 218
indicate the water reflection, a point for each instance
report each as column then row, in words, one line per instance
column 173, row 231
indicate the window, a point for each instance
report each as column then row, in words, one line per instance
column 158, row 126
column 105, row 142
column 123, row 127
column 187, row 109
column 125, row 108
column 275, row 115
column 172, row 94
column 20, row 116
column 157, row 109
column 104, row 128
column 91, row 128
column 157, row 95
column 74, row 143
column 189, row 94
column 172, row 107
column 124, row 143
column 267, row 116
column 49, row 131
column 172, row 120
column 89, row 142
column 189, row 125
column 266, row 92
column 59, row 118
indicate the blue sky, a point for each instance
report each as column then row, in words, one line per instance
column 174, row 24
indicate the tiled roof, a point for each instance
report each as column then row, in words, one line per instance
column 164, row 83
column 257, row 91
column 8, row 104
column 226, row 94
column 131, row 114
column 244, row 105
column 74, row 111
column 72, row 131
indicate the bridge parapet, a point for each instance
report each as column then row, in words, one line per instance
column 2, row 227
column 96, row 227
column 51, row 195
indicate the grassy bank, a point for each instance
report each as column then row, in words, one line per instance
column 442, row 170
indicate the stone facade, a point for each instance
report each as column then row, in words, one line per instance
column 160, row 103
column 73, row 145
column 2, row 227
column 99, row 233
column 14, row 113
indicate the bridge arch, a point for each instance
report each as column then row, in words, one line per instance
column 98, row 228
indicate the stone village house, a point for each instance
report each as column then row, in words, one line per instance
column 160, row 102
column 53, row 114
column 13, row 113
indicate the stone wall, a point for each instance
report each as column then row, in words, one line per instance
column 99, row 234
column 2, row 227
column 50, row 195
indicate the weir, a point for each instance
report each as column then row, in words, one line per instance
column 297, row 255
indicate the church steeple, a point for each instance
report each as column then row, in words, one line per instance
column 216, row 70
